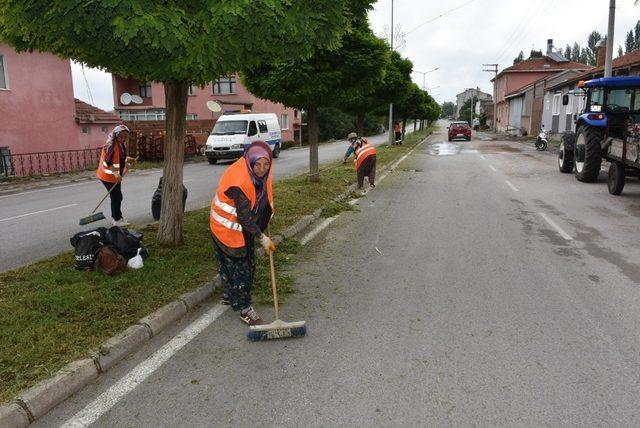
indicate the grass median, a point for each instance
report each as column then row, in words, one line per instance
column 51, row 314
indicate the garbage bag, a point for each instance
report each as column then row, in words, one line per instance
column 86, row 245
column 156, row 200
column 136, row 262
column 126, row 242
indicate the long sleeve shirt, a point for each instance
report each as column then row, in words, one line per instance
column 111, row 148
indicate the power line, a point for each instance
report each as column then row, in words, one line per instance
column 510, row 39
column 439, row 16
column 86, row 82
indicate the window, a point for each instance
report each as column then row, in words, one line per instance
column 569, row 106
column 230, row 127
column 555, row 108
column 636, row 103
column 86, row 129
column 263, row 126
column 284, row 121
column 253, row 129
column 5, row 161
column 145, row 90
column 192, row 116
column 192, row 90
column 4, row 80
column 104, row 129
column 596, row 96
column 225, row 85
column 142, row 114
column 620, row 99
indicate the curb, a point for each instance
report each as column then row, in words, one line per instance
column 33, row 403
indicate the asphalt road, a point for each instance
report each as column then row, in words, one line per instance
column 37, row 224
column 475, row 286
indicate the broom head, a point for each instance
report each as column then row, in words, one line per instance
column 91, row 218
column 277, row 330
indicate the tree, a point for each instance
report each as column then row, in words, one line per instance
column 630, row 42
column 307, row 83
column 448, row 109
column 465, row 111
column 620, row 51
column 519, row 58
column 584, row 56
column 567, row 52
column 637, row 35
column 176, row 43
column 575, row 53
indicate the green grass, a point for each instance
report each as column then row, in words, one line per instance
column 51, row 314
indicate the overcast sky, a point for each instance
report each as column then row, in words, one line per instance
column 457, row 37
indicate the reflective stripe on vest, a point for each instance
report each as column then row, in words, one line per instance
column 362, row 153
column 226, row 222
column 224, row 206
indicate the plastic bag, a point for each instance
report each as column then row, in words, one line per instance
column 136, row 262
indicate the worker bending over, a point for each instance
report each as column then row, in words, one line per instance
column 364, row 159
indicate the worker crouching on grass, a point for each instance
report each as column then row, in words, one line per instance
column 364, row 159
column 240, row 212
column 112, row 166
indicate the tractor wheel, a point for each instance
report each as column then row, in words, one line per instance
column 615, row 181
column 587, row 155
column 565, row 159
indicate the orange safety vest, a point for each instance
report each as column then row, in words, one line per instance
column 223, row 221
column 106, row 172
column 363, row 152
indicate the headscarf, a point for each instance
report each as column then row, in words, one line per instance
column 114, row 133
column 255, row 151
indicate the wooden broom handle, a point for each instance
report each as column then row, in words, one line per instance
column 273, row 280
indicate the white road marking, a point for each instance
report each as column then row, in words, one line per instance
column 188, row 181
column 319, row 228
column 493, row 168
column 37, row 212
column 558, row 229
column 515, row 189
column 48, row 189
column 482, row 157
column 98, row 407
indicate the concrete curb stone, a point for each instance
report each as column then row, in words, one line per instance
column 119, row 346
column 41, row 398
column 13, row 416
column 160, row 319
column 197, row 296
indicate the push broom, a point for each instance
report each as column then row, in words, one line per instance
column 97, row 216
column 278, row 329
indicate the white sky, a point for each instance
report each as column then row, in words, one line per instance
column 474, row 32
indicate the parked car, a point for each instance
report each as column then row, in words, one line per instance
column 459, row 130
column 233, row 133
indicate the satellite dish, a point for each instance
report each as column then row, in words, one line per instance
column 137, row 99
column 214, row 106
column 125, row 98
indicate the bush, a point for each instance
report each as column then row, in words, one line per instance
column 288, row 144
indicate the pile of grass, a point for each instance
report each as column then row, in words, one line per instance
column 51, row 314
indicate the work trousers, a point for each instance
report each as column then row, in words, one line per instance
column 236, row 275
column 116, row 199
column 367, row 168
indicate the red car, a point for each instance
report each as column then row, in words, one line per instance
column 459, row 130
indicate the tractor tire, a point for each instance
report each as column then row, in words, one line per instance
column 565, row 159
column 212, row 161
column 587, row 154
column 615, row 181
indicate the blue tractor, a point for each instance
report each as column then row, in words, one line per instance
column 609, row 128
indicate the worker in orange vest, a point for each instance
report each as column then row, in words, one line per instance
column 397, row 130
column 240, row 212
column 364, row 159
column 112, row 166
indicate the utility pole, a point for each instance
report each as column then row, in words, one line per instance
column 494, row 69
column 391, row 134
column 609, row 56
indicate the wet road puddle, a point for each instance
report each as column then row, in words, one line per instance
column 443, row 149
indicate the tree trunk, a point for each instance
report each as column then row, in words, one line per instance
column 360, row 124
column 312, row 118
column 415, row 124
column 404, row 126
column 170, row 229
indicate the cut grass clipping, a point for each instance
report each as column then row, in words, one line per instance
column 51, row 314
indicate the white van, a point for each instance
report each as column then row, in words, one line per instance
column 233, row 133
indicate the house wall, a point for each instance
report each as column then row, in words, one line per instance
column 94, row 135
column 37, row 110
column 564, row 121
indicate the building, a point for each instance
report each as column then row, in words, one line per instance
column 521, row 74
column 564, row 101
column 95, row 125
column 37, row 107
column 466, row 95
column 148, row 114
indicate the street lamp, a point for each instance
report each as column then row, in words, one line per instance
column 424, row 76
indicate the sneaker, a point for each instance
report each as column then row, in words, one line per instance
column 120, row 223
column 251, row 317
column 224, row 300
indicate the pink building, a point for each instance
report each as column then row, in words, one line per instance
column 37, row 108
column 228, row 91
column 524, row 73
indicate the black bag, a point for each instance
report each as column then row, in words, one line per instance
column 87, row 244
column 156, row 200
column 126, row 242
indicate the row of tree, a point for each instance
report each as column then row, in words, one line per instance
column 304, row 54
column 588, row 55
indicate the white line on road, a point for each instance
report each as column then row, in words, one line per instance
column 482, row 157
column 558, row 229
column 48, row 189
column 319, row 228
column 142, row 371
column 515, row 189
column 493, row 168
column 37, row 212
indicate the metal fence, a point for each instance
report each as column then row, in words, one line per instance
column 25, row 164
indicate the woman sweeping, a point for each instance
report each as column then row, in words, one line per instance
column 240, row 212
